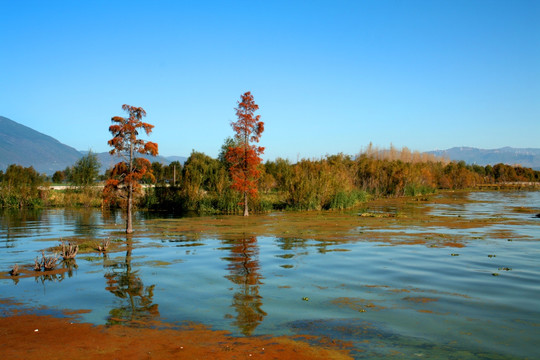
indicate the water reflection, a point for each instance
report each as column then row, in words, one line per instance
column 84, row 222
column 290, row 250
column 14, row 224
column 69, row 265
column 244, row 271
column 65, row 269
column 59, row 274
column 291, row 243
column 111, row 216
column 135, row 300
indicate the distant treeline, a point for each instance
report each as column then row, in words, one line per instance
column 339, row 181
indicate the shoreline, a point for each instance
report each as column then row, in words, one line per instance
column 27, row 334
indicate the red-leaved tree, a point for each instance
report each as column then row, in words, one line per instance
column 244, row 158
column 124, row 180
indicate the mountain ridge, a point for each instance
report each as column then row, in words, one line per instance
column 20, row 144
column 526, row 157
column 107, row 160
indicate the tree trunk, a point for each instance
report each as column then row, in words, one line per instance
column 246, row 212
column 129, row 225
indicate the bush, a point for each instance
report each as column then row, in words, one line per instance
column 20, row 187
column 418, row 190
column 347, row 199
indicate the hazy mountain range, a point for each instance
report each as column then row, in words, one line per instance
column 107, row 160
column 22, row 145
column 512, row 156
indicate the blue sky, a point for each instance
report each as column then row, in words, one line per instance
column 329, row 76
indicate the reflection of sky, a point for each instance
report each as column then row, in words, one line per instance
column 19, row 230
column 490, row 205
column 199, row 279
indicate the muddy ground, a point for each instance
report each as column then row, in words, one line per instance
column 27, row 335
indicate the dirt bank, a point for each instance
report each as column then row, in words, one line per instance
column 30, row 336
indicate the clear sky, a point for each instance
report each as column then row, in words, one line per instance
column 329, row 76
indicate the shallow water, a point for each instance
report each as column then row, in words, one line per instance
column 453, row 278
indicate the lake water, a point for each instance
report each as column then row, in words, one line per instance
column 455, row 277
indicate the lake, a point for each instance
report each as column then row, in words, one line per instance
column 456, row 275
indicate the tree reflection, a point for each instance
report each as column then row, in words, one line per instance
column 19, row 223
column 135, row 299
column 66, row 267
column 244, row 271
column 111, row 215
column 84, row 221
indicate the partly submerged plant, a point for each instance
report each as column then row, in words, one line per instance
column 69, row 250
column 47, row 262
column 104, row 245
column 14, row 271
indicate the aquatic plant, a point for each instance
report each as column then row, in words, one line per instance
column 14, row 271
column 37, row 264
column 47, row 262
column 103, row 246
column 69, row 251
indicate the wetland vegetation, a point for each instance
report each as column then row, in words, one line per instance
column 202, row 183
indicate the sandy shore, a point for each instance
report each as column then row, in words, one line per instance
column 30, row 336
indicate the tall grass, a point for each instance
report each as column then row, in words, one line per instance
column 345, row 200
column 77, row 197
column 418, row 190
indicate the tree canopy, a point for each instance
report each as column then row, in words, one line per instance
column 243, row 155
column 126, row 175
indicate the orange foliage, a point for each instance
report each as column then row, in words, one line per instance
column 126, row 175
column 126, row 130
column 245, row 157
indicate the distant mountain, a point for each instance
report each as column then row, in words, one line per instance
column 107, row 160
column 22, row 145
column 180, row 159
column 528, row 157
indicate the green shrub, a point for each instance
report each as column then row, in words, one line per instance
column 347, row 199
column 413, row 189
